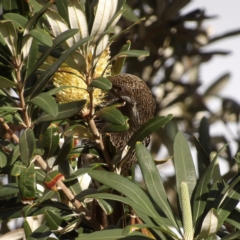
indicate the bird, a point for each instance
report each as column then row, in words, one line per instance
column 139, row 107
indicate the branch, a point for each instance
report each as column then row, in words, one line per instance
column 9, row 130
column 79, row 207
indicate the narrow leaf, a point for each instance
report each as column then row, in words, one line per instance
column 27, row 183
column 46, row 75
column 27, row 146
column 147, row 128
column 209, row 225
column 65, row 150
column 153, row 181
column 185, row 170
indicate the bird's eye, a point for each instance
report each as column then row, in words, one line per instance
column 119, row 89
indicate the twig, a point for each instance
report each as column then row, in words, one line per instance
column 99, row 141
column 9, row 130
column 79, row 207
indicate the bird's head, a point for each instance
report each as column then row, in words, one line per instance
column 139, row 103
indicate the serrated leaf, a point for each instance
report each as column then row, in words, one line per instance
column 46, row 102
column 27, row 146
column 6, row 83
column 101, row 83
column 65, row 110
column 42, row 36
column 27, row 183
column 111, row 115
column 185, row 170
column 153, row 181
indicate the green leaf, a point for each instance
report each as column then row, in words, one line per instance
column 129, row 14
column 119, row 63
column 27, row 228
column 127, row 188
column 9, row 34
column 27, row 146
column 18, row 19
column 111, row 115
column 234, row 235
column 41, row 233
column 50, row 140
column 108, row 234
column 53, row 220
column 131, row 53
column 58, row 40
column 46, row 75
column 42, row 36
column 229, row 197
column 101, row 83
column 201, row 193
column 78, row 130
column 185, row 170
column 109, row 127
column 27, row 183
column 46, row 102
column 65, row 150
column 105, row 206
column 153, row 181
column 8, row 190
column 65, row 110
column 31, row 58
column 6, row 83
column 147, row 128
column 3, row 160
column 17, row 168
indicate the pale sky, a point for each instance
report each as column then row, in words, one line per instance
column 228, row 19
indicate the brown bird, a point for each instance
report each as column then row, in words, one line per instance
column 139, row 108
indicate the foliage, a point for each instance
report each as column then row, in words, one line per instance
column 55, row 60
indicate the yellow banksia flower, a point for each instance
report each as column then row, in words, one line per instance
column 67, row 76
